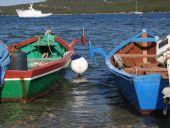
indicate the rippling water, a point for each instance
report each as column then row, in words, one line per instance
column 92, row 101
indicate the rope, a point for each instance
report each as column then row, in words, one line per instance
column 50, row 48
column 69, row 52
column 38, row 47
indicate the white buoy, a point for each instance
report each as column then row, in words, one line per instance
column 79, row 64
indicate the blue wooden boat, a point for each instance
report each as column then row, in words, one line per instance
column 139, row 76
column 4, row 61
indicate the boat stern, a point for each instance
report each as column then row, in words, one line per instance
column 149, row 92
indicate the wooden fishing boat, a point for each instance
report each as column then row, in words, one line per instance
column 138, row 74
column 36, row 64
column 4, row 61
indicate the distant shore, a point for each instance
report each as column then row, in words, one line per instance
column 94, row 13
column 69, row 7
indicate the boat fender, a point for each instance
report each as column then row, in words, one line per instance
column 79, row 64
column 166, row 93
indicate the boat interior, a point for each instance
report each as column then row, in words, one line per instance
column 43, row 50
column 139, row 58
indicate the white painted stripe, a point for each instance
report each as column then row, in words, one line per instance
column 35, row 77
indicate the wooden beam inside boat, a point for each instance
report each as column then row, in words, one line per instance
column 143, row 71
column 147, row 69
column 137, row 55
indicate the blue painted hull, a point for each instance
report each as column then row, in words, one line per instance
column 4, row 61
column 143, row 92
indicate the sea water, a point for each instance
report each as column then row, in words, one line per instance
column 92, row 100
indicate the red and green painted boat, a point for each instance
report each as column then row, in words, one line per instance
column 36, row 64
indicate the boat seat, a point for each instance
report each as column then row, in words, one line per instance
column 155, row 69
column 152, row 70
column 137, row 55
column 41, row 59
column 149, row 65
column 35, row 62
column 44, row 44
column 131, row 60
column 118, row 61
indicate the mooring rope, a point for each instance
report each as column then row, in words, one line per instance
column 50, row 48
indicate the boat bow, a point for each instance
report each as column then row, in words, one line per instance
column 93, row 51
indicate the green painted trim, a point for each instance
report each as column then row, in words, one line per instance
column 30, row 88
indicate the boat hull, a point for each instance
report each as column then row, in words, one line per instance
column 27, row 90
column 139, row 76
column 25, row 85
column 143, row 92
column 31, row 12
column 4, row 61
column 33, row 15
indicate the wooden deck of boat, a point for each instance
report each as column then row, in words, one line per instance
column 139, row 59
column 131, row 63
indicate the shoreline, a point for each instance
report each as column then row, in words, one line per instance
column 96, row 13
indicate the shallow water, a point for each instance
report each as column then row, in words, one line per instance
column 93, row 100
